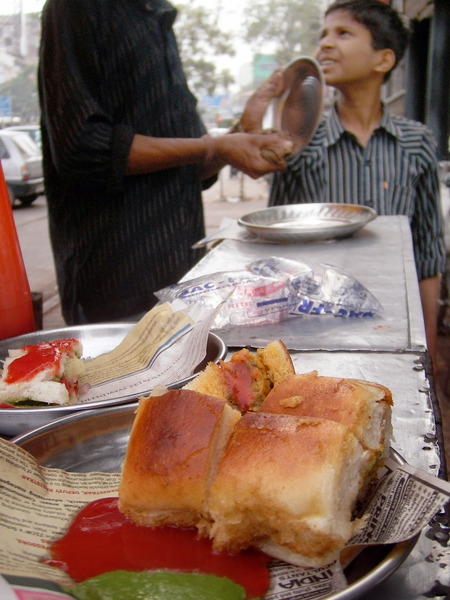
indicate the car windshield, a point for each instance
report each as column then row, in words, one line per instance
column 25, row 145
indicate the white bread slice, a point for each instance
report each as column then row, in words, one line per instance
column 288, row 486
column 46, row 373
column 172, row 457
column 246, row 379
column 363, row 406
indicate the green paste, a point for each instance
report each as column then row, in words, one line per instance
column 157, row 585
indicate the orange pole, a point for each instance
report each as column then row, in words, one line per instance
column 16, row 306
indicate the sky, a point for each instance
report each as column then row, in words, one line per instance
column 229, row 7
column 230, row 15
column 230, row 10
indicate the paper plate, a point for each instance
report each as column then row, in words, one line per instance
column 297, row 112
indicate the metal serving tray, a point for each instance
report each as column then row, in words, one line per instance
column 96, row 339
column 97, row 440
column 307, row 222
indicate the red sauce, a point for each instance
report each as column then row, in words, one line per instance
column 101, row 539
column 39, row 357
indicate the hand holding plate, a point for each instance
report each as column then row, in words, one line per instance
column 259, row 101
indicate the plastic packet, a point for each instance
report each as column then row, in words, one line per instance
column 248, row 298
column 319, row 288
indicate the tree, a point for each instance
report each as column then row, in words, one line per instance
column 201, row 41
column 23, row 96
column 290, row 27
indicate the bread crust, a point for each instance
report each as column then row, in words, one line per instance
column 171, row 450
column 289, row 483
column 363, row 406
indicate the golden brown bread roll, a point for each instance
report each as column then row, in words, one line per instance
column 361, row 405
column 286, row 483
column 172, row 456
column 288, row 486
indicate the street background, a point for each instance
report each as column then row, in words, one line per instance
column 229, row 197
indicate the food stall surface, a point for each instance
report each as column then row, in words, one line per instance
column 400, row 362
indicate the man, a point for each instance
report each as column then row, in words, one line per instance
column 359, row 153
column 125, row 155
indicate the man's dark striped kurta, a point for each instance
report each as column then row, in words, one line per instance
column 396, row 174
column 109, row 69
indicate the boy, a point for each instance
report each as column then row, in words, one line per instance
column 361, row 154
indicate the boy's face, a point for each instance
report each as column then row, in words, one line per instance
column 345, row 53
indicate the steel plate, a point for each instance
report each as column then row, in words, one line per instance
column 307, row 222
column 97, row 440
column 297, row 112
column 96, row 339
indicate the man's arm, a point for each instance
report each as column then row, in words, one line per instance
column 243, row 151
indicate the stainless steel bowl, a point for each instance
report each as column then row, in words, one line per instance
column 96, row 339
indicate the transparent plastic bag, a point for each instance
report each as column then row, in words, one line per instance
column 319, row 288
column 248, row 298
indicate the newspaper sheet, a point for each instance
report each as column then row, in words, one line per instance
column 37, row 505
column 164, row 347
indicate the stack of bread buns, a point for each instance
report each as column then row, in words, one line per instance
column 282, row 473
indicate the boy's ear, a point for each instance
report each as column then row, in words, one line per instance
column 386, row 62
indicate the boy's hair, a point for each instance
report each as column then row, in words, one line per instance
column 386, row 26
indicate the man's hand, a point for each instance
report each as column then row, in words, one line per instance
column 254, row 154
column 258, row 103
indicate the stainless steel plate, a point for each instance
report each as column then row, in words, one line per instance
column 97, row 441
column 96, row 340
column 297, row 112
column 307, row 222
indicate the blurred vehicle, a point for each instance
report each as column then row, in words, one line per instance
column 222, row 127
column 34, row 131
column 22, row 166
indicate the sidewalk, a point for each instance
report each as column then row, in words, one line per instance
column 233, row 197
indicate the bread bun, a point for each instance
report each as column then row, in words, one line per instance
column 172, row 455
column 288, row 486
column 284, row 479
column 362, row 406
column 246, row 379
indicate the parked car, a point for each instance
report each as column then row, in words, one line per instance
column 34, row 131
column 22, row 166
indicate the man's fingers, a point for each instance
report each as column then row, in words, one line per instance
column 276, row 156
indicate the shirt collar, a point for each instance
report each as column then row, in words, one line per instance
column 335, row 129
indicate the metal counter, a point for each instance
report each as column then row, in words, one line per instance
column 380, row 256
column 389, row 349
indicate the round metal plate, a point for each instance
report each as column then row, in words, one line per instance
column 97, row 441
column 307, row 222
column 96, row 339
column 297, row 112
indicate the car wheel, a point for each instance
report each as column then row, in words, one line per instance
column 11, row 195
column 27, row 200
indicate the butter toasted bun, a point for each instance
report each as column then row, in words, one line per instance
column 362, row 406
column 172, row 457
column 288, row 486
column 246, row 379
